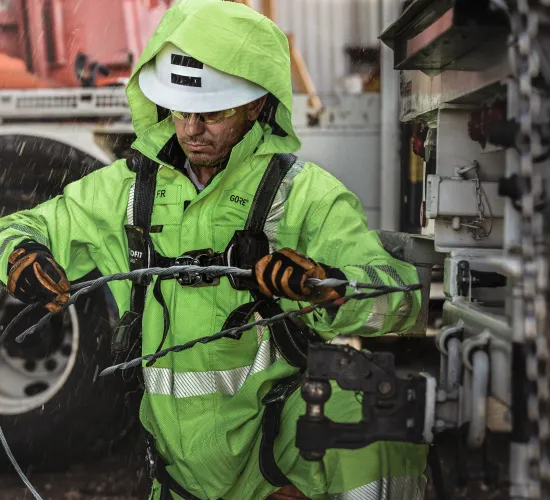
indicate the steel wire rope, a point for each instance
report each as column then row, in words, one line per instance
column 140, row 274
column 151, row 358
column 16, row 466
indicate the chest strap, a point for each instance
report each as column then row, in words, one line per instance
column 203, row 258
column 126, row 339
column 251, row 244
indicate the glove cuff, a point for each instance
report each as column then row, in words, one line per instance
column 335, row 273
column 33, row 246
column 29, row 246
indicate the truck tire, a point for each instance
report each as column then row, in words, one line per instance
column 54, row 409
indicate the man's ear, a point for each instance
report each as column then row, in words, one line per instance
column 255, row 108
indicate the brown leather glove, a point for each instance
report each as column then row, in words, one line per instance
column 284, row 272
column 34, row 276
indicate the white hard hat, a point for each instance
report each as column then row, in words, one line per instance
column 175, row 80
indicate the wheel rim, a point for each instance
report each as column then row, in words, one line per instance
column 28, row 383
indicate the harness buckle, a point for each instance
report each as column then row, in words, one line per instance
column 244, row 250
column 150, row 460
column 195, row 278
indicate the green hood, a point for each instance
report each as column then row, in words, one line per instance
column 232, row 38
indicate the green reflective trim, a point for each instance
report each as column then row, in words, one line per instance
column 36, row 236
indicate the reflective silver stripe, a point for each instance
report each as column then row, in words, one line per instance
column 189, row 384
column 266, row 356
column 260, row 330
column 130, row 207
column 392, row 488
column 267, row 352
column 377, row 316
column 36, row 236
column 380, row 309
column 405, row 307
column 380, row 306
column 277, row 210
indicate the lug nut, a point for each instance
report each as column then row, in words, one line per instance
column 51, row 365
column 30, row 365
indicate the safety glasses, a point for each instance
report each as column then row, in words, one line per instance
column 208, row 118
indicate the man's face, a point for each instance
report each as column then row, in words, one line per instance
column 209, row 144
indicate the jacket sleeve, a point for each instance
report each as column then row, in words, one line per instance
column 65, row 224
column 336, row 233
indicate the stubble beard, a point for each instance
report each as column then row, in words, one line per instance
column 197, row 162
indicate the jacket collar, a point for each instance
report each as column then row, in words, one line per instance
column 161, row 145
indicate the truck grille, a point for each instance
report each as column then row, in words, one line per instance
column 63, row 103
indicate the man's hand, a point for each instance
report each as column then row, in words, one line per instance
column 284, row 273
column 34, row 276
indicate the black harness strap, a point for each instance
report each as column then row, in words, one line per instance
column 271, row 421
column 242, row 315
column 157, row 293
column 168, row 484
column 144, row 199
column 267, row 190
column 251, row 243
column 140, row 248
column 291, row 341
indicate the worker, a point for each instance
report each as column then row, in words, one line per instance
column 211, row 101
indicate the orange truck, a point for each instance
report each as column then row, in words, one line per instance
column 63, row 112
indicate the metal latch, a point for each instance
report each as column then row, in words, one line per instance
column 196, row 278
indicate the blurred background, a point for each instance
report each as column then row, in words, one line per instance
column 63, row 113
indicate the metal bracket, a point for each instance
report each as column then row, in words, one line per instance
column 196, row 279
column 448, row 197
column 394, row 409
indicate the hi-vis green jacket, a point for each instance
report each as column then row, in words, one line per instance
column 203, row 405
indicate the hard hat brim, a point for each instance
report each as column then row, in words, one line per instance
column 194, row 100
